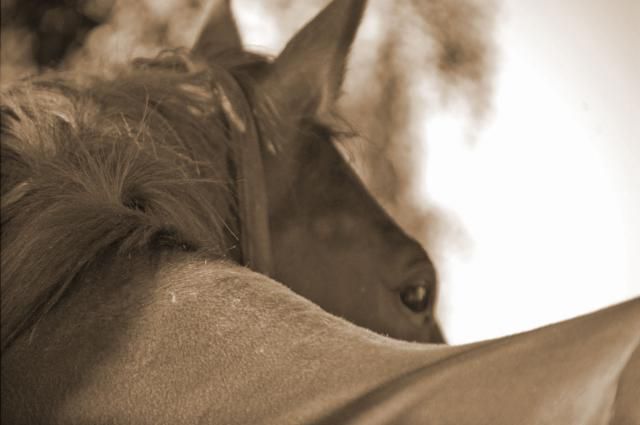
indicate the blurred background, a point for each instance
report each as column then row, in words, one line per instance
column 505, row 136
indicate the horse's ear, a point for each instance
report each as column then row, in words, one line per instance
column 220, row 32
column 306, row 77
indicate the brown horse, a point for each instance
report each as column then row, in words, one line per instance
column 201, row 342
column 123, row 205
column 248, row 169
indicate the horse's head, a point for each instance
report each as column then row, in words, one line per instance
column 331, row 241
column 153, row 159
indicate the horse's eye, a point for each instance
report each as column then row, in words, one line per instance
column 416, row 298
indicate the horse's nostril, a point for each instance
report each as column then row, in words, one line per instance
column 416, row 298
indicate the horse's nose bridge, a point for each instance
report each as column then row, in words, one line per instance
column 407, row 256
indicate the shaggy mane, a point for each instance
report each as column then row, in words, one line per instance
column 132, row 165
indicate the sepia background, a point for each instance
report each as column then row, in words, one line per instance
column 503, row 135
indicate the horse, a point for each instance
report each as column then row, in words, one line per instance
column 210, row 342
column 297, row 212
column 125, row 299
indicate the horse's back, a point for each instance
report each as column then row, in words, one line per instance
column 567, row 373
column 627, row 404
column 193, row 341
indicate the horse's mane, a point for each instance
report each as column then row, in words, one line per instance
column 131, row 165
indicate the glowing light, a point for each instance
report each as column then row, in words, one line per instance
column 538, row 193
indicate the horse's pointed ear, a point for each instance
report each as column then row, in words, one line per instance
column 306, row 77
column 220, row 32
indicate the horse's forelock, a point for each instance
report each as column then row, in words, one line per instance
column 132, row 164
column 135, row 165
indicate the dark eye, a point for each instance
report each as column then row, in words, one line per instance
column 416, row 298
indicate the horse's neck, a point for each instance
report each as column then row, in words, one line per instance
column 219, row 342
column 278, row 355
column 292, row 362
column 196, row 339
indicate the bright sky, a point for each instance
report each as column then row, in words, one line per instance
column 549, row 191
